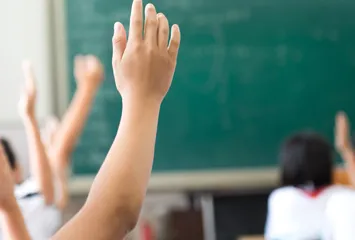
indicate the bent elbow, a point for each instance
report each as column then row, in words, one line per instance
column 129, row 215
column 123, row 216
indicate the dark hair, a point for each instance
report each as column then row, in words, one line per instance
column 306, row 159
column 9, row 152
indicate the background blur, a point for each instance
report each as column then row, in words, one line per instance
column 249, row 74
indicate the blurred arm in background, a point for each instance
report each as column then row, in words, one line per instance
column 39, row 163
column 12, row 222
column 63, row 137
column 344, row 147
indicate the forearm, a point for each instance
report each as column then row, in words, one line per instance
column 349, row 159
column 13, row 224
column 73, row 123
column 39, row 164
column 125, row 175
column 128, row 165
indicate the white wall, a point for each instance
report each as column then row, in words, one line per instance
column 24, row 34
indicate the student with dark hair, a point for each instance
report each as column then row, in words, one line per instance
column 143, row 67
column 306, row 159
column 296, row 210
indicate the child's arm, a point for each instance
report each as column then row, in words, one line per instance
column 344, row 146
column 12, row 222
column 143, row 76
column 40, row 168
column 89, row 75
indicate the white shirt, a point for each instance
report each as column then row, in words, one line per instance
column 42, row 221
column 340, row 215
column 293, row 214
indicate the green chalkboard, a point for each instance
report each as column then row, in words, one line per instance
column 249, row 73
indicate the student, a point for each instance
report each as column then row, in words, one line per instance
column 297, row 209
column 143, row 68
column 340, row 217
column 340, row 211
column 44, row 194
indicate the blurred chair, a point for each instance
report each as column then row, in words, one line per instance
column 234, row 214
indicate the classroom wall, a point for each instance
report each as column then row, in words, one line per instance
column 25, row 34
column 30, row 30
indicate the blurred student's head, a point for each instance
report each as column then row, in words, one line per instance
column 306, row 159
column 11, row 157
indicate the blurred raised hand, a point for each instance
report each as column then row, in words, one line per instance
column 27, row 101
column 342, row 133
column 88, row 71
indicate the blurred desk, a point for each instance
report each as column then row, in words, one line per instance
column 255, row 237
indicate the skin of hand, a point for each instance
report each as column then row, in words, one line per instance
column 28, row 98
column 12, row 222
column 149, row 54
column 342, row 133
column 143, row 67
column 6, row 183
column 39, row 163
column 343, row 144
column 89, row 73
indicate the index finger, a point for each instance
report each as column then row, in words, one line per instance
column 136, row 21
column 341, row 119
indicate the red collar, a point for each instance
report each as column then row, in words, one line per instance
column 313, row 193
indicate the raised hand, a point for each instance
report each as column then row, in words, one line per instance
column 88, row 71
column 342, row 133
column 27, row 101
column 144, row 65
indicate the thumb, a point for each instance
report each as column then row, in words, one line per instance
column 119, row 41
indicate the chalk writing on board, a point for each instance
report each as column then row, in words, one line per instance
column 230, row 16
column 219, row 77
